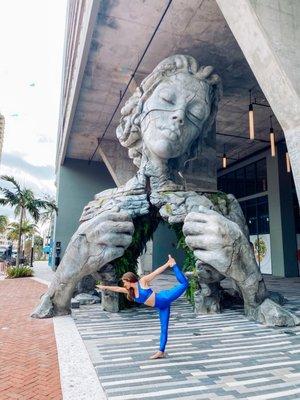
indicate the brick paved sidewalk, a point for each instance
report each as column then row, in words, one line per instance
column 28, row 354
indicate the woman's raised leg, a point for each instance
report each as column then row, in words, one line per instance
column 176, row 291
column 180, row 275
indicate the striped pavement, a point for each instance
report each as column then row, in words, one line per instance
column 222, row 356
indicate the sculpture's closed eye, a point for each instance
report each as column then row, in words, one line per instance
column 167, row 97
column 168, row 100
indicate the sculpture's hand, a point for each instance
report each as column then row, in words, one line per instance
column 214, row 239
column 221, row 243
column 96, row 242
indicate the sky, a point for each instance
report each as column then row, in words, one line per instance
column 31, row 54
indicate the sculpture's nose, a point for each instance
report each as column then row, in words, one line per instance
column 178, row 117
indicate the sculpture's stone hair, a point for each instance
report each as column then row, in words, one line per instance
column 129, row 131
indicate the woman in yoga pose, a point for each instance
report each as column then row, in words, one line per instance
column 138, row 290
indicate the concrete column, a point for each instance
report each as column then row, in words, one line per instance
column 281, row 214
column 268, row 32
column 78, row 182
column 117, row 161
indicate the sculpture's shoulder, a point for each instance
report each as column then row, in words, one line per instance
column 132, row 200
column 175, row 205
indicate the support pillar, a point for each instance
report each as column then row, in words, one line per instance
column 268, row 33
column 281, row 214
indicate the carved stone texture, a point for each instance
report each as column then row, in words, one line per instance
column 109, row 300
column 207, row 300
column 86, row 285
column 165, row 125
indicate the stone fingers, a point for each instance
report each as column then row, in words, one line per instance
column 115, row 239
column 214, row 258
column 201, row 225
column 116, row 226
column 112, row 253
column 206, row 242
column 115, row 216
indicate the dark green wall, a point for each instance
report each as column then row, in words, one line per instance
column 164, row 243
column 78, row 182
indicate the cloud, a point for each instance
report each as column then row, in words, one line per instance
column 38, row 178
column 8, row 211
column 44, row 139
column 15, row 161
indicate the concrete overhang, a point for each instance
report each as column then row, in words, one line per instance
column 104, row 42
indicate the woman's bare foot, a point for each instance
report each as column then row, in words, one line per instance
column 171, row 261
column 158, row 354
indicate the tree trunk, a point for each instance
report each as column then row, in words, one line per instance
column 19, row 238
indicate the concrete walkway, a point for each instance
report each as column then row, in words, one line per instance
column 99, row 355
column 211, row 357
column 77, row 374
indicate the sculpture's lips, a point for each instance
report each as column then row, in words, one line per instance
column 173, row 135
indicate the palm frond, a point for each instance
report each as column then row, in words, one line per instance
column 28, row 229
column 10, row 197
column 4, row 202
column 33, row 211
column 12, row 180
column 3, row 223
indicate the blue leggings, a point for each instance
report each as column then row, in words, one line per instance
column 163, row 300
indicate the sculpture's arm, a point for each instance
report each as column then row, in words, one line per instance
column 113, row 288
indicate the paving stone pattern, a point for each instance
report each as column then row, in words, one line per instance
column 28, row 355
column 221, row 356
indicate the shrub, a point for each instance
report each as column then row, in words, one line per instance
column 19, row 272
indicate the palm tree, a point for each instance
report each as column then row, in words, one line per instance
column 47, row 217
column 3, row 223
column 28, row 229
column 23, row 201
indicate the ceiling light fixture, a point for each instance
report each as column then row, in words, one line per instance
column 288, row 164
column 251, row 118
column 224, row 159
column 272, row 138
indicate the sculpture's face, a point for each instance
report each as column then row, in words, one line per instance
column 173, row 116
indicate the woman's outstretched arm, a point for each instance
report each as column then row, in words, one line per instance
column 112, row 288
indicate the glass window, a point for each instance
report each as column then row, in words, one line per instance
column 231, row 182
column 256, row 213
column 240, row 182
column 263, row 215
column 250, row 176
column 245, row 181
column 222, row 183
column 261, row 171
column 251, row 216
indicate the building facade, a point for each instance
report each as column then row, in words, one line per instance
column 265, row 189
column 108, row 52
column 2, row 126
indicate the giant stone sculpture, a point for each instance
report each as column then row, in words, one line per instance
column 163, row 125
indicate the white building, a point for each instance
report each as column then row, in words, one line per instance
column 2, row 125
